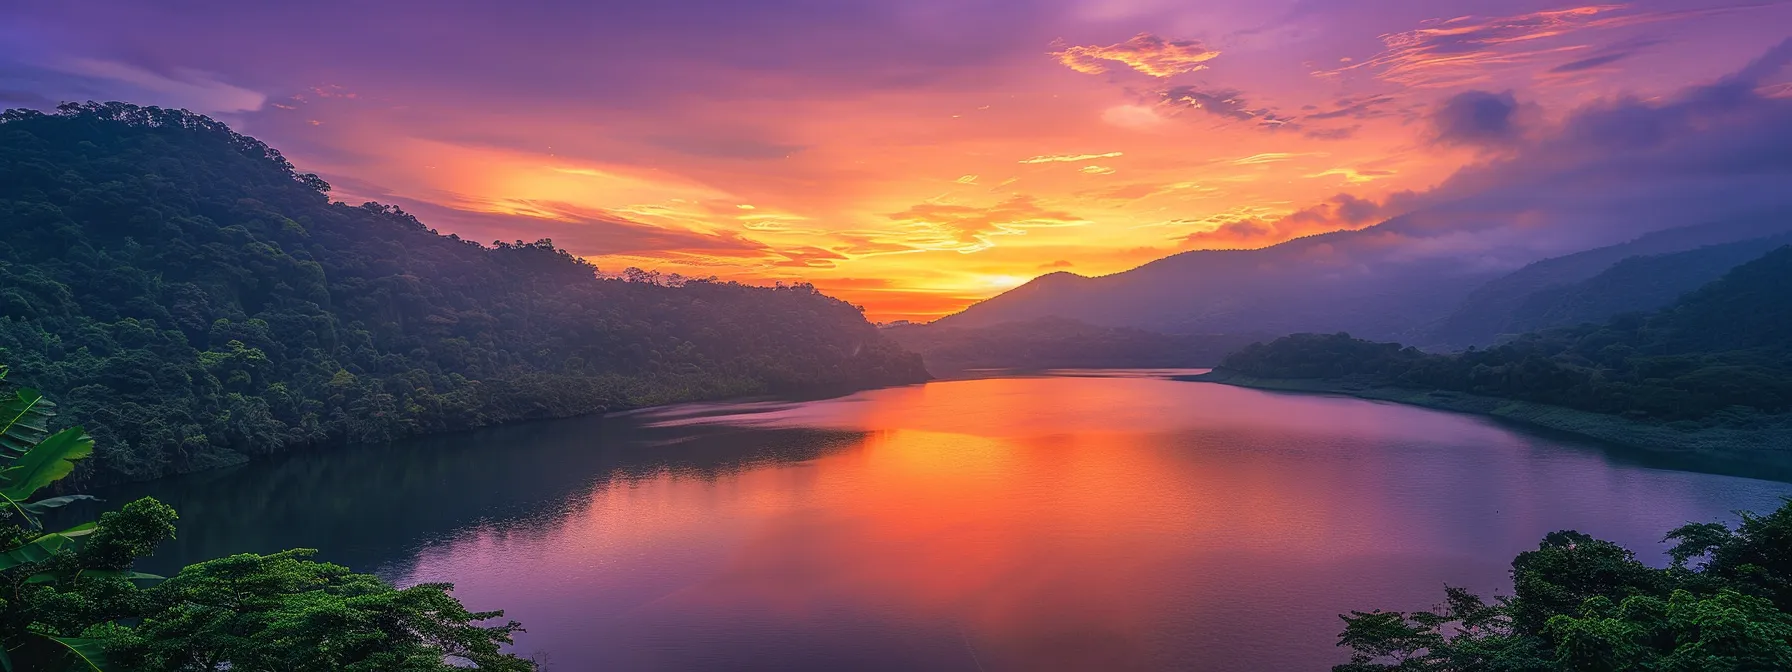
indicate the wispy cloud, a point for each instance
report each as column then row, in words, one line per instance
column 1467, row 49
column 968, row 228
column 1069, row 158
column 1459, row 50
column 1223, row 103
column 1145, row 53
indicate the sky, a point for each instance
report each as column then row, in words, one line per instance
column 909, row 156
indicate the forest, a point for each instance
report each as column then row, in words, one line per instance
column 1584, row 604
column 1721, row 354
column 193, row 300
column 1059, row 343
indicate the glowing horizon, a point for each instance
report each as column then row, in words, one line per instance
column 909, row 157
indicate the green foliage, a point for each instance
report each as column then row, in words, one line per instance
column 1582, row 604
column 1053, row 342
column 1722, row 355
column 193, row 301
column 75, row 604
column 282, row 613
column 24, row 417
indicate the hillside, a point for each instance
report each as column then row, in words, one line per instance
column 1343, row 281
column 1057, row 343
column 1279, row 289
column 194, row 300
column 1720, row 356
column 1642, row 274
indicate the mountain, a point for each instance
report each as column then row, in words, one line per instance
column 193, row 300
column 1058, row 343
column 1719, row 355
column 1609, row 172
column 1308, row 284
column 1642, row 274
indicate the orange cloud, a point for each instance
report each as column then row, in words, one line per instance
column 1145, row 53
column 1067, row 158
column 964, row 228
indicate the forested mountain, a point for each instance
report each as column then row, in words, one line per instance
column 1642, row 274
column 1722, row 354
column 1354, row 281
column 1301, row 285
column 192, row 299
column 1057, row 343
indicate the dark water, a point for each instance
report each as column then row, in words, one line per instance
column 1064, row 523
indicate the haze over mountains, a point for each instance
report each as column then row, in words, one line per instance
column 1715, row 161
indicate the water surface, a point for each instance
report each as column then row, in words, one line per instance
column 1044, row 523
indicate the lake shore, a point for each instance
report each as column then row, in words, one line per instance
column 1767, row 448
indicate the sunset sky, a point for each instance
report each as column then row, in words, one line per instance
column 910, row 156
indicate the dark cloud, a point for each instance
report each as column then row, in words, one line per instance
column 1223, row 103
column 1606, row 56
column 1358, row 108
column 1476, row 118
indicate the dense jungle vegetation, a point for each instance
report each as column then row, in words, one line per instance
column 73, row 602
column 194, row 300
column 1580, row 604
column 1721, row 354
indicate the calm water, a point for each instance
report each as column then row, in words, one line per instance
column 1063, row 523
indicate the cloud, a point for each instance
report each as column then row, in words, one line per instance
column 965, row 228
column 1270, row 157
column 1356, row 108
column 1067, row 158
column 1259, row 227
column 44, row 80
column 1096, row 170
column 1476, row 118
column 1223, row 103
column 1462, row 49
column 1132, row 116
column 1611, row 171
column 1605, row 56
column 1354, row 175
column 1056, row 264
column 808, row 257
column 1467, row 49
column 1145, row 53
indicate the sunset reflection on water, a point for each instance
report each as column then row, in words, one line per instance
column 1044, row 523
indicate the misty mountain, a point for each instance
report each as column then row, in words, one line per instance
column 1721, row 354
column 1612, row 172
column 1642, row 274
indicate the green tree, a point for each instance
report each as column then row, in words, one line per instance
column 1583, row 604
column 73, row 602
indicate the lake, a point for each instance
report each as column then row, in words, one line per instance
column 1075, row 522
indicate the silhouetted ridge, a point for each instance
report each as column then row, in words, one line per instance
column 193, row 299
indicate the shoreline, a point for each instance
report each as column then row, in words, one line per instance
column 1759, row 452
column 87, row 482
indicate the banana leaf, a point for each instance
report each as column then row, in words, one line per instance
column 49, row 460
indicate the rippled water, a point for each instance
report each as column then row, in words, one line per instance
column 1047, row 523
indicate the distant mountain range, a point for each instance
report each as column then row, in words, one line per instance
column 1353, row 281
column 1710, row 371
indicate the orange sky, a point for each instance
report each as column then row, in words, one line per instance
column 908, row 157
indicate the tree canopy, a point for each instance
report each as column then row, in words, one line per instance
column 1720, row 354
column 193, row 299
